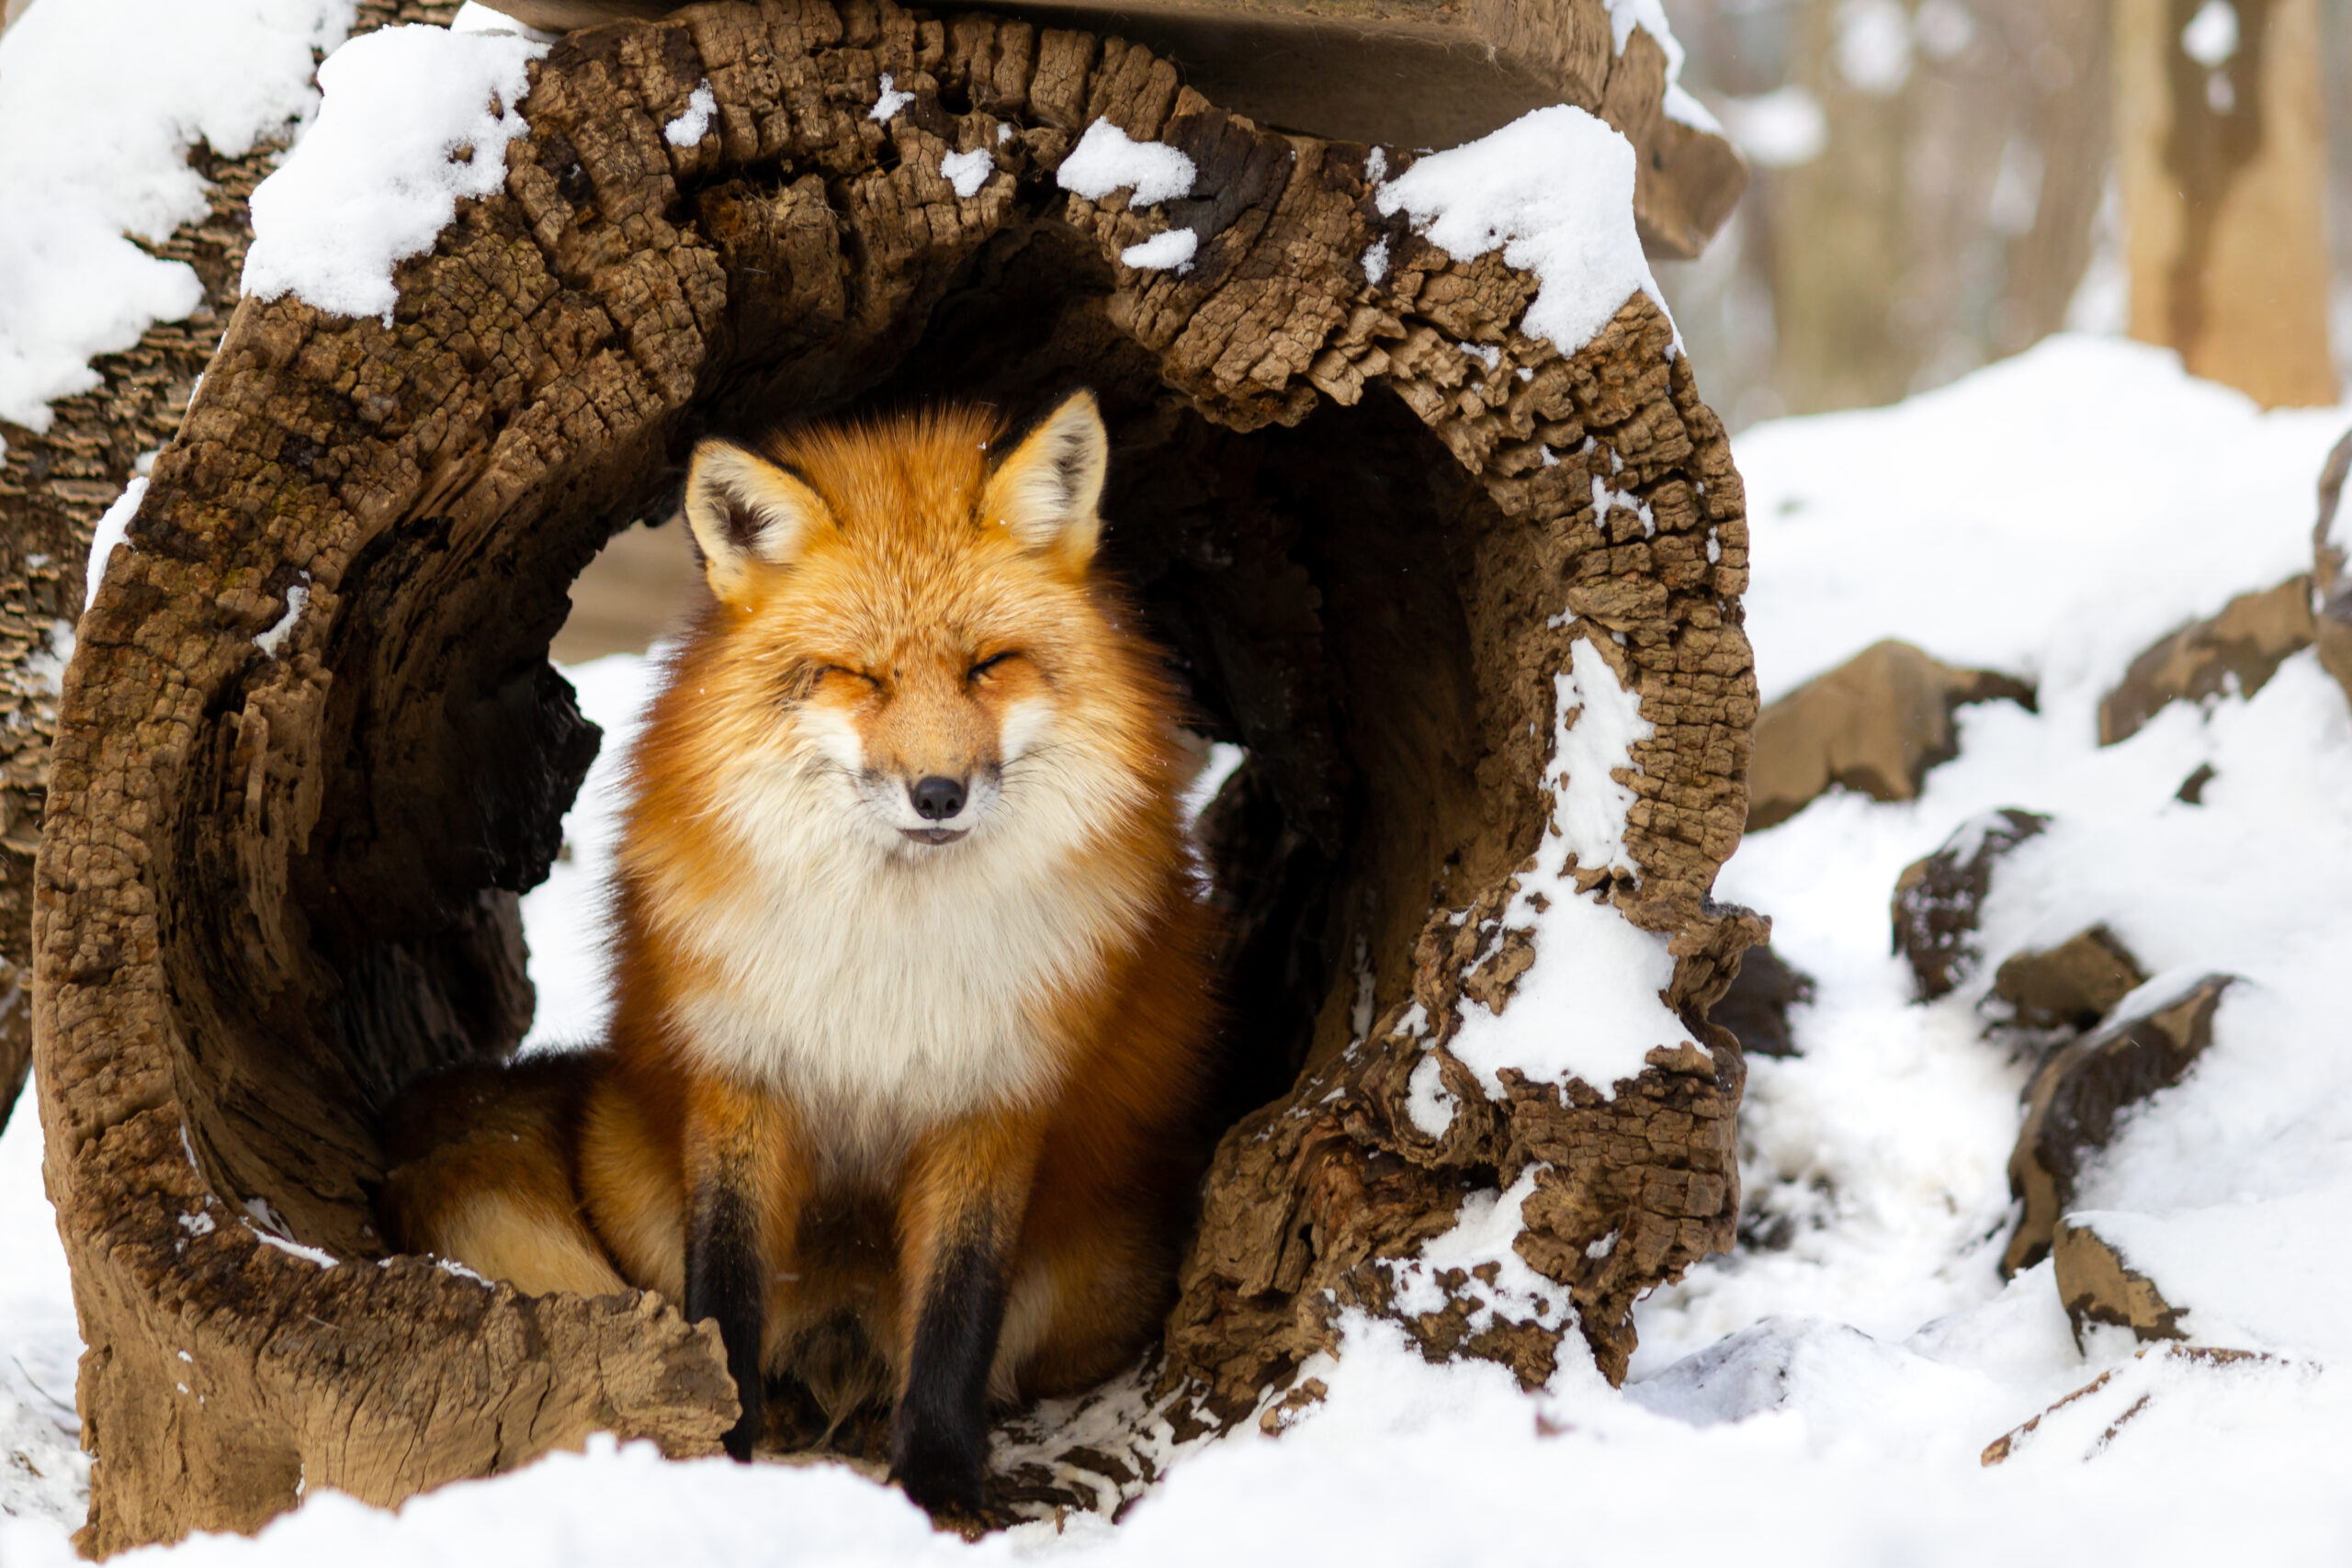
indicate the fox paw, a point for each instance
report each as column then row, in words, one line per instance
column 944, row 1484
column 972, row 1523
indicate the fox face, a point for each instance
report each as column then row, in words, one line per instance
column 906, row 631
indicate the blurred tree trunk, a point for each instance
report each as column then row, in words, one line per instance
column 1948, row 216
column 2223, row 154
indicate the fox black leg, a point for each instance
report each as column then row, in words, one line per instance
column 725, row 1279
column 939, row 1440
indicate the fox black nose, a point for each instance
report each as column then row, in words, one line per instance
column 937, row 799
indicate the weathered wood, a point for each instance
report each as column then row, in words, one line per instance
column 274, row 888
column 1400, row 73
column 54, row 486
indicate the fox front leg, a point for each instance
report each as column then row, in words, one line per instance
column 725, row 1279
column 728, row 1246
column 959, row 1220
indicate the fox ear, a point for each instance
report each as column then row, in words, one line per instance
column 746, row 512
column 1047, row 489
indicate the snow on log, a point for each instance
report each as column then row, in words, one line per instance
column 1467, row 597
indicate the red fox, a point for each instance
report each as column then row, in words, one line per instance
column 911, row 978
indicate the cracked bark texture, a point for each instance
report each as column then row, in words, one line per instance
column 54, row 486
column 274, row 888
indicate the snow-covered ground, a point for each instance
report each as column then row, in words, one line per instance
column 1824, row 1400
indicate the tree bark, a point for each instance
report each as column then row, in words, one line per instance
column 274, row 888
column 54, row 486
column 1402, row 72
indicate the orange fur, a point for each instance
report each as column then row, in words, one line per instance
column 899, row 1032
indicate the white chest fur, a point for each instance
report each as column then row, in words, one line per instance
column 887, row 986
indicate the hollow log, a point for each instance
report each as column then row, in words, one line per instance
column 278, row 882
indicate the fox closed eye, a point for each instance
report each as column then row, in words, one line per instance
column 825, row 671
column 991, row 662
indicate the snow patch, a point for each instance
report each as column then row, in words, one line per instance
column 564, row 917
column 473, row 16
column 1376, row 259
column 1596, row 725
column 273, row 640
column 1107, row 159
column 1606, row 500
column 113, row 528
column 1500, row 1284
column 1553, row 191
column 1224, row 760
column 99, row 104
column 414, row 118
column 1590, row 1007
column 269, row 1227
column 450, row 1265
column 295, row 1248
column 966, row 172
column 690, row 127
column 889, row 103
column 1427, row 1099
column 1624, row 16
column 1829, row 1369
column 2101, row 590
column 1162, row 252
